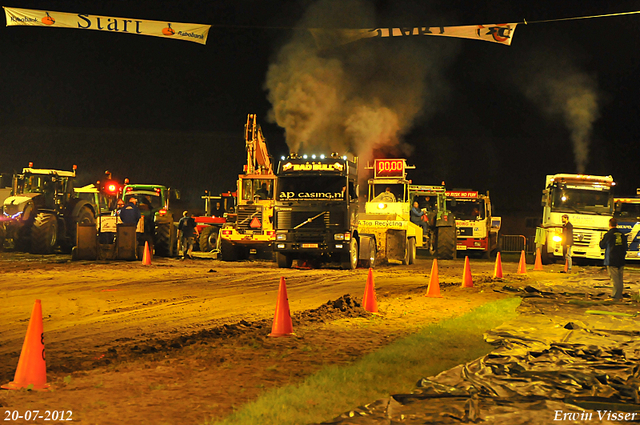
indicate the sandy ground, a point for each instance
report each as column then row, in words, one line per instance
column 180, row 341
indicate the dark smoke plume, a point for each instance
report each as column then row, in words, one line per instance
column 359, row 97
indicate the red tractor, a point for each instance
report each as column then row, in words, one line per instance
column 218, row 211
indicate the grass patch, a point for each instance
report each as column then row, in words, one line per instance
column 393, row 369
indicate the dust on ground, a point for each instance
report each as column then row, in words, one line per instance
column 186, row 341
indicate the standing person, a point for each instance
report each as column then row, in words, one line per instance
column 187, row 229
column 614, row 242
column 129, row 213
column 567, row 240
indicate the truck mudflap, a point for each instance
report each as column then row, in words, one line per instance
column 396, row 246
column 88, row 246
column 367, row 251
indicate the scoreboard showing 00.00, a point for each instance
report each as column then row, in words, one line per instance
column 389, row 167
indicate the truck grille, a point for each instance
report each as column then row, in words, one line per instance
column 246, row 214
column 290, row 219
column 582, row 238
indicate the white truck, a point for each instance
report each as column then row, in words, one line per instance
column 476, row 228
column 588, row 201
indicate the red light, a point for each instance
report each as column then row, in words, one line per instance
column 227, row 232
column 271, row 233
column 112, row 188
column 129, row 189
column 30, row 164
column 75, row 167
column 157, row 190
column 162, row 212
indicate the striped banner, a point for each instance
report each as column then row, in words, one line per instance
column 172, row 30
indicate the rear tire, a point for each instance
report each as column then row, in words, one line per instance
column 228, row 251
column 163, row 241
column 446, row 243
column 208, row 239
column 350, row 259
column 284, row 260
column 44, row 234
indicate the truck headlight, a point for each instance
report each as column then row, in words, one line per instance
column 338, row 236
column 382, row 206
column 556, row 238
column 281, row 236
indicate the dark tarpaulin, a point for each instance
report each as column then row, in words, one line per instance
column 572, row 356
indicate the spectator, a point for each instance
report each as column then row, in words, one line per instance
column 187, row 229
column 417, row 218
column 614, row 242
column 567, row 240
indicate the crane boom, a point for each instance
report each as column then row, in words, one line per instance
column 258, row 158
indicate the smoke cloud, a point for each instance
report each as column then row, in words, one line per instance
column 361, row 97
column 566, row 93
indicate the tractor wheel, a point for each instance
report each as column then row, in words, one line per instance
column 350, row 259
column 446, row 243
column 284, row 260
column 412, row 250
column 208, row 239
column 228, row 252
column 164, row 241
column 44, row 234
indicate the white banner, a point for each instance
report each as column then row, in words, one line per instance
column 495, row 33
column 174, row 30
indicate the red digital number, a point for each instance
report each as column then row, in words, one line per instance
column 390, row 167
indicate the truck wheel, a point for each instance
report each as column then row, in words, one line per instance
column 163, row 241
column 446, row 243
column 350, row 259
column 412, row 250
column 371, row 261
column 44, row 234
column 208, row 238
column 228, row 251
column 284, row 260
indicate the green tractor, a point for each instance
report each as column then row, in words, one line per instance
column 42, row 212
column 159, row 219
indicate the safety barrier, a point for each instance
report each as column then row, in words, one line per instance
column 515, row 243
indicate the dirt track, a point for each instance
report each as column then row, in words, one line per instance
column 132, row 336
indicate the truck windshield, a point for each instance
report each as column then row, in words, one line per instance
column 311, row 188
column 629, row 211
column 581, row 201
column 467, row 210
column 387, row 193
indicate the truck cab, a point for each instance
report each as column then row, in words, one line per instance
column 476, row 228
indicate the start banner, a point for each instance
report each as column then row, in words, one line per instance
column 174, row 30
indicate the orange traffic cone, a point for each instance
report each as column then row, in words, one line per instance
column 32, row 368
column 497, row 271
column 146, row 256
column 538, row 265
column 369, row 299
column 522, row 266
column 566, row 265
column 467, row 281
column 282, row 325
column 434, row 284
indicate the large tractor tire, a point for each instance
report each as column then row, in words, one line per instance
column 350, row 259
column 446, row 243
column 208, row 239
column 284, row 260
column 44, row 234
column 165, row 240
column 228, row 252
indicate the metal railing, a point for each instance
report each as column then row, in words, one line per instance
column 517, row 243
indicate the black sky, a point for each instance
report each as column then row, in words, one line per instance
column 165, row 111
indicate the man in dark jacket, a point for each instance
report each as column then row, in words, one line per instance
column 187, row 229
column 614, row 242
column 567, row 240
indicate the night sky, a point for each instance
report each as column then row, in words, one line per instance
column 482, row 115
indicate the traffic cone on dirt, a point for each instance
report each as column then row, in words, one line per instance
column 434, row 284
column 566, row 265
column 146, row 256
column 497, row 271
column 369, row 299
column 538, row 265
column 32, row 368
column 282, row 325
column 467, row 281
column 522, row 266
